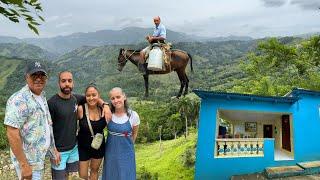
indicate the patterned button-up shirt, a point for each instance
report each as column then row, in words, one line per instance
column 25, row 113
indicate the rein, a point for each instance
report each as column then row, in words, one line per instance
column 127, row 57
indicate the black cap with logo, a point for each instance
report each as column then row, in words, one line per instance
column 36, row 66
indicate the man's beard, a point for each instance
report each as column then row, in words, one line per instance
column 66, row 90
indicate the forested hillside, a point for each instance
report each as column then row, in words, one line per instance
column 23, row 50
column 99, row 64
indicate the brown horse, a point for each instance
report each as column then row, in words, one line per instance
column 178, row 63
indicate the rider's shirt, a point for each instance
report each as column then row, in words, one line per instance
column 160, row 31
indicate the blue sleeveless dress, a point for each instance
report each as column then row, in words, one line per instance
column 119, row 159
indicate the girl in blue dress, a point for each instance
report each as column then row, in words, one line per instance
column 119, row 159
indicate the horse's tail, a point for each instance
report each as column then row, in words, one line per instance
column 190, row 62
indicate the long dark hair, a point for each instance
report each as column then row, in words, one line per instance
column 126, row 104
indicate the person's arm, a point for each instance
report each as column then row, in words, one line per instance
column 156, row 38
column 135, row 121
column 80, row 112
column 15, row 143
column 81, row 100
column 161, row 36
column 105, row 109
column 15, row 117
column 135, row 133
column 53, row 153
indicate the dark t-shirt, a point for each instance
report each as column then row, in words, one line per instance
column 64, row 120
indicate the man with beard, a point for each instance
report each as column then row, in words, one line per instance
column 63, row 110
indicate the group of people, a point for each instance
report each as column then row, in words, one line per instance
column 62, row 128
column 65, row 126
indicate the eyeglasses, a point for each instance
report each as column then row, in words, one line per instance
column 37, row 75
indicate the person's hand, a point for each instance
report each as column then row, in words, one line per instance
column 57, row 160
column 26, row 171
column 107, row 112
column 150, row 39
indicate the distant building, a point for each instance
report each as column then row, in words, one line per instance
column 263, row 131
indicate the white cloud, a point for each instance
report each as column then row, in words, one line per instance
column 51, row 19
column 62, row 25
column 256, row 18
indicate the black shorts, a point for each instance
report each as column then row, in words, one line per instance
column 86, row 153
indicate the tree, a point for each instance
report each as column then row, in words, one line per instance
column 278, row 65
column 175, row 122
column 28, row 10
column 189, row 109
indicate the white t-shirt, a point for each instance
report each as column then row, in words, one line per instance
column 40, row 100
column 134, row 118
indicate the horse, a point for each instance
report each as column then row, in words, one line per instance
column 178, row 63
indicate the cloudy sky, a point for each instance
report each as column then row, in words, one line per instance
column 255, row 18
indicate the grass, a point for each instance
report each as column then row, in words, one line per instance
column 167, row 164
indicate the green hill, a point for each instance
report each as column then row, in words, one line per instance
column 24, row 50
column 169, row 163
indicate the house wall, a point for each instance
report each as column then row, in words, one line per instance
column 208, row 167
column 306, row 123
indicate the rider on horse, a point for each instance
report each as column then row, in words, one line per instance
column 159, row 36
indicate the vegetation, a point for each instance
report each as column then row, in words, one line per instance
column 174, row 117
column 28, row 10
column 279, row 65
column 165, row 164
column 3, row 135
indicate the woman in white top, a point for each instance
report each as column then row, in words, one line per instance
column 119, row 162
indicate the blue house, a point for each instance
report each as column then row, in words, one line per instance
column 242, row 134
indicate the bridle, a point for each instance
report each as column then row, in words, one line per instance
column 126, row 58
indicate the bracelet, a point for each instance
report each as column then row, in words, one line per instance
column 105, row 104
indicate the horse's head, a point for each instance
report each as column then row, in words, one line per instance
column 122, row 60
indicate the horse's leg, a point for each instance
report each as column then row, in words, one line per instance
column 187, row 84
column 182, row 83
column 146, row 85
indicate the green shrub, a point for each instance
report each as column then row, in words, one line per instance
column 144, row 174
column 3, row 136
column 188, row 157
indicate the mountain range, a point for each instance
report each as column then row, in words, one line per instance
column 131, row 35
column 215, row 63
column 99, row 64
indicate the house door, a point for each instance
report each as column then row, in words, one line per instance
column 267, row 131
column 286, row 143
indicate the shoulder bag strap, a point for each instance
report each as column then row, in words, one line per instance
column 88, row 120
